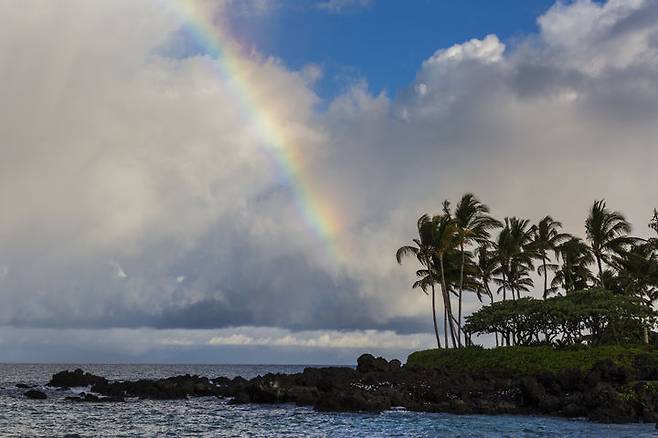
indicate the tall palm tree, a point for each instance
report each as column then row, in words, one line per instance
column 519, row 279
column 513, row 249
column 487, row 263
column 546, row 237
column 451, row 269
column 473, row 225
column 446, row 241
column 423, row 249
column 606, row 232
column 573, row 274
column 502, row 254
column 486, row 266
column 514, row 258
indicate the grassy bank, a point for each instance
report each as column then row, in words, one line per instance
column 529, row 360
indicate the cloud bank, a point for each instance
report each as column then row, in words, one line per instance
column 135, row 192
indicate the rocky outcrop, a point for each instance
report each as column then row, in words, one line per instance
column 161, row 389
column 71, row 379
column 606, row 393
column 35, row 395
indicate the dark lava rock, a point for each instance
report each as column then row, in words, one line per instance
column 171, row 388
column 533, row 392
column 606, row 393
column 570, row 380
column 394, row 365
column 35, row 395
column 240, row 398
column 367, row 363
column 607, row 371
column 355, row 401
column 69, row 379
column 646, row 367
column 572, row 410
column 22, row 386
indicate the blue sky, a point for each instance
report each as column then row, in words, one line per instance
column 383, row 42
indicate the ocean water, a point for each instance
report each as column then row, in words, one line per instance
column 212, row 417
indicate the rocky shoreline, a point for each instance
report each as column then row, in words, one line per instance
column 606, row 393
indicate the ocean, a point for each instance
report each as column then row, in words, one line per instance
column 212, row 417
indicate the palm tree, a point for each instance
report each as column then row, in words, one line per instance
column 606, row 231
column 514, row 259
column 638, row 275
column 653, row 224
column 545, row 238
column 574, row 273
column 446, row 241
column 451, row 269
column 473, row 225
column 487, row 263
column 486, row 266
column 513, row 249
column 423, row 250
column 638, row 271
column 519, row 277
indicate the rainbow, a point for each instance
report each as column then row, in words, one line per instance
column 318, row 215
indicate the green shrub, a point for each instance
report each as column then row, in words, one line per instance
column 527, row 360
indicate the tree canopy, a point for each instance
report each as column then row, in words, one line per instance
column 460, row 251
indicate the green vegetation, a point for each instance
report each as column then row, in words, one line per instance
column 457, row 254
column 520, row 360
column 594, row 316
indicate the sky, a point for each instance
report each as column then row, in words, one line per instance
column 224, row 181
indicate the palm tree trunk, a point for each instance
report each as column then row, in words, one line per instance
column 446, row 299
column 436, row 328
column 504, row 288
column 445, row 320
column 506, row 334
column 598, row 262
column 543, row 259
column 492, row 301
column 451, row 321
column 569, row 279
column 461, row 289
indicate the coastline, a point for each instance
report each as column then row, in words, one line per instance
column 607, row 392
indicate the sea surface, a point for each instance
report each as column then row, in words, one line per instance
column 212, row 417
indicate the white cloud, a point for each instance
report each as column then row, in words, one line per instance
column 594, row 38
column 366, row 339
column 487, row 50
